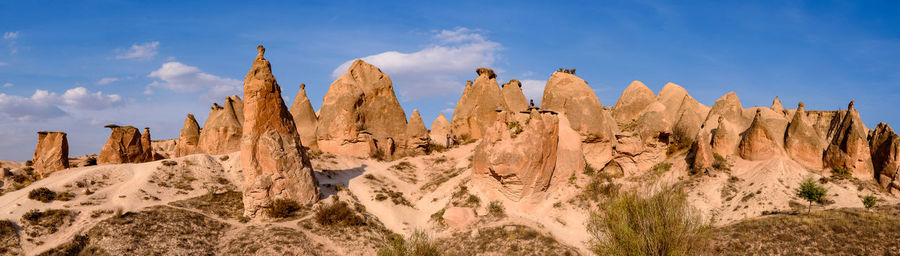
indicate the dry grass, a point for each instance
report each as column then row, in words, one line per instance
column 282, row 208
column 46, row 195
column 268, row 240
column 228, row 205
column 9, row 238
column 397, row 197
column 504, row 240
column 38, row 223
column 462, row 198
column 418, row 243
column 337, row 213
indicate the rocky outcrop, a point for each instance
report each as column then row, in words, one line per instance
column 777, row 107
column 221, row 133
column 802, row 142
column 440, row 131
column 478, row 109
column 123, row 146
column 684, row 112
column 360, row 110
column 758, row 142
column 189, row 138
column 725, row 138
column 274, row 163
column 146, row 147
column 238, row 106
column 729, row 107
column 885, row 147
column 418, row 136
column 653, row 125
column 632, row 103
column 305, row 119
column 570, row 96
column 514, row 97
column 849, row 147
column 164, row 149
column 701, row 155
column 51, row 153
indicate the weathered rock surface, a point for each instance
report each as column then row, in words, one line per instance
column 440, row 130
column 570, row 96
column 123, row 146
column 221, row 134
column 729, row 107
column 701, row 154
column 164, row 149
column 305, row 119
column 725, row 138
column 777, row 107
column 360, row 110
column 146, row 147
column 885, row 148
column 51, row 153
column 274, row 162
column 479, row 108
column 802, row 142
column 632, row 103
column 418, row 134
column 849, row 147
column 757, row 142
column 653, row 125
column 189, row 138
column 514, row 97
column 238, row 106
column 459, row 217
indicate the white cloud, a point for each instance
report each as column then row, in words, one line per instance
column 81, row 98
column 534, row 90
column 11, row 35
column 8, row 85
column 138, row 51
column 438, row 68
column 45, row 104
column 3, row 64
column 107, row 80
column 179, row 77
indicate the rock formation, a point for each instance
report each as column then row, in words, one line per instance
column 238, row 106
column 163, row 149
column 440, row 130
column 701, row 155
column 123, row 146
column 418, row 138
column 684, row 112
column 632, row 103
column 305, row 119
column 221, row 133
column 777, row 107
column 514, row 97
column 146, row 148
column 729, row 107
column 477, row 110
column 274, row 163
column 358, row 111
column 570, row 96
column 885, row 147
column 653, row 125
column 802, row 142
column 725, row 138
column 189, row 138
column 51, row 153
column 757, row 142
column 849, row 147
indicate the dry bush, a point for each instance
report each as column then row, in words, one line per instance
column 661, row 224
column 9, row 238
column 38, row 223
column 282, row 208
column 225, row 205
column 42, row 194
column 337, row 213
column 495, row 208
column 504, row 240
column 418, row 243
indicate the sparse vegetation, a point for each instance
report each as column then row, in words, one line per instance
column 601, row 184
column 660, row 168
column 282, row 208
column 869, row 201
column 504, row 240
column 42, row 194
column 720, row 163
column 569, row 71
column 515, row 127
column 677, row 146
column 396, row 197
column 661, row 224
column 337, row 213
column 91, row 161
column 418, row 244
column 840, row 172
column 225, row 205
column 9, row 238
column 49, row 221
column 811, row 191
column 462, row 198
column 495, row 208
column 169, row 163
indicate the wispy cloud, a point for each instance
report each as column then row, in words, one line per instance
column 438, row 68
column 8, row 85
column 11, row 35
column 143, row 51
column 107, row 80
column 179, row 77
column 3, row 64
column 44, row 104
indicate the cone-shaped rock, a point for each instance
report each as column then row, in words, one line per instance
column 51, row 153
column 358, row 108
column 849, row 147
column 688, row 119
column 123, row 146
column 802, row 142
column 221, row 133
column 514, row 97
column 440, row 131
column 725, row 138
column 189, row 138
column 885, row 147
column 418, row 134
column 274, row 163
column 146, row 148
column 305, row 119
column 757, row 142
column 729, row 107
column 701, row 154
column 777, row 107
column 654, row 125
column 238, row 106
column 570, row 95
column 479, row 107
column 632, row 103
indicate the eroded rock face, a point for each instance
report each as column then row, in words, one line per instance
column 725, row 138
column 360, row 107
column 221, row 133
column 305, row 119
column 777, row 107
column 632, row 103
column 758, row 142
column 701, row 155
column 802, row 142
column 849, row 147
column 885, row 147
column 729, row 107
column 189, row 138
column 440, row 131
column 51, row 153
column 146, row 147
column 569, row 95
column 479, row 109
column 514, row 97
column 274, row 163
column 238, row 106
column 418, row 135
column 521, row 164
column 123, row 146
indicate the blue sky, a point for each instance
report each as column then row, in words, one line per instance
column 78, row 66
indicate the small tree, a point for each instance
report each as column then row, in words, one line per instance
column 869, row 201
column 811, row 191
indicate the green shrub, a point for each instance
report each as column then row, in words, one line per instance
column 90, row 161
column 495, row 208
column 42, row 194
column 660, row 168
column 678, row 145
column 417, row 244
column 570, row 71
column 661, row 224
column 840, row 172
column 282, row 208
column 720, row 162
column 869, row 201
column 811, row 191
column 337, row 213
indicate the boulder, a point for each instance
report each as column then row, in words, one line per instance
column 802, row 142
column 360, row 109
column 305, row 119
column 757, row 142
column 459, row 217
column 221, row 134
column 849, row 147
column 418, row 136
column 514, row 97
column 51, row 153
column 632, row 103
column 274, row 162
column 480, row 107
column 123, row 146
column 885, row 147
column 146, row 147
column 189, row 138
column 440, row 131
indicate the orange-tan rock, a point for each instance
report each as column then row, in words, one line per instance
column 418, row 135
column 440, row 131
column 885, row 148
column 514, row 97
column 725, row 138
column 849, row 147
column 478, row 109
column 570, row 96
column 305, row 119
column 729, row 107
column 123, row 146
column 238, row 106
column 146, row 147
column 802, row 142
column 274, row 162
column 189, row 138
column 632, row 103
column 757, row 142
column 777, row 107
column 221, row 134
column 51, row 153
